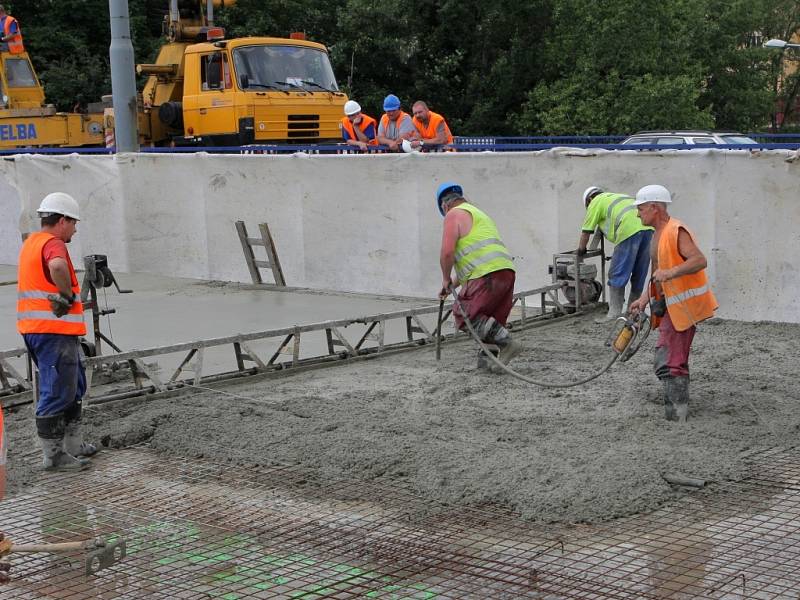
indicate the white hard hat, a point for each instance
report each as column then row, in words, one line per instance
column 652, row 193
column 407, row 147
column 351, row 107
column 590, row 191
column 59, row 203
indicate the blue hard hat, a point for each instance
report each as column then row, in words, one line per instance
column 445, row 189
column 391, row 102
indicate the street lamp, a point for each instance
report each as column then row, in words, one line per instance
column 780, row 44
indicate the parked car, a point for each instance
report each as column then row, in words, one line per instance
column 692, row 138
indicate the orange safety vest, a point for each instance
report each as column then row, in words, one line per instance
column 689, row 298
column 33, row 307
column 385, row 120
column 365, row 122
column 433, row 125
column 15, row 43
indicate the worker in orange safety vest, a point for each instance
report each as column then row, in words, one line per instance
column 679, row 274
column 50, row 319
column 358, row 129
column 431, row 128
column 11, row 33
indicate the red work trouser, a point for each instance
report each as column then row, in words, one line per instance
column 487, row 296
column 672, row 349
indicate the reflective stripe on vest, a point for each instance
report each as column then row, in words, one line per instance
column 684, row 296
column 481, row 251
column 46, row 315
column 689, row 297
column 610, row 227
column 34, row 314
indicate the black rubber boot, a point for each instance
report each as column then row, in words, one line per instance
column 679, row 391
column 483, row 361
column 51, row 435
column 669, row 407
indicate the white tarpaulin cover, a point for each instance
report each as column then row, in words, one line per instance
column 369, row 223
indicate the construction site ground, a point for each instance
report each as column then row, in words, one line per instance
column 404, row 477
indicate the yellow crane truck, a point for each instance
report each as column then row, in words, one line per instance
column 25, row 119
column 206, row 90
column 201, row 90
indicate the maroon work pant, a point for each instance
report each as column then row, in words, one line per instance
column 672, row 349
column 487, row 296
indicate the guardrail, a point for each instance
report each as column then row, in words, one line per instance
column 764, row 141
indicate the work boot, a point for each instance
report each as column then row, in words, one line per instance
column 508, row 347
column 669, row 407
column 678, row 392
column 483, row 361
column 55, row 459
column 73, row 439
column 51, row 436
column 616, row 298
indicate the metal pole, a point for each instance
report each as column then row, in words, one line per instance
column 123, row 79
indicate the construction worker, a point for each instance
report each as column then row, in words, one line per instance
column 616, row 217
column 50, row 319
column 357, row 128
column 395, row 125
column 11, row 35
column 432, row 129
column 679, row 276
column 483, row 267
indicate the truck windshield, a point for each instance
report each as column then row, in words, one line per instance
column 289, row 67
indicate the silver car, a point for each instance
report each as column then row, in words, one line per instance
column 692, row 138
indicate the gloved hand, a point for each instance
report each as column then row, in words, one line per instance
column 60, row 304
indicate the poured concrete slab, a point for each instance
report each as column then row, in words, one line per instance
column 166, row 310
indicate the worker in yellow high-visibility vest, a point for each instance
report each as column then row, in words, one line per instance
column 483, row 267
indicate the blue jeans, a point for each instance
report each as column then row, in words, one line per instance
column 62, row 379
column 630, row 261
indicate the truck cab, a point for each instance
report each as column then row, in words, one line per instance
column 260, row 90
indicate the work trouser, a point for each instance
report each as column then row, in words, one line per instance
column 672, row 350
column 489, row 296
column 630, row 261
column 62, row 379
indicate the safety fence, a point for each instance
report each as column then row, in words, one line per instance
column 764, row 141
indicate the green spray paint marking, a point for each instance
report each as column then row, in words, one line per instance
column 238, row 566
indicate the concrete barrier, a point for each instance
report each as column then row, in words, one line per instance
column 369, row 223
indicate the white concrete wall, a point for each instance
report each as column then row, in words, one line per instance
column 369, row 223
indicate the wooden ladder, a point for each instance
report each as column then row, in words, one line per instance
column 253, row 264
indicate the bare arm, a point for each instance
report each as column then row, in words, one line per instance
column 456, row 222
column 583, row 241
column 694, row 259
column 59, row 272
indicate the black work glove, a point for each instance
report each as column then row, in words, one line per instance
column 60, row 304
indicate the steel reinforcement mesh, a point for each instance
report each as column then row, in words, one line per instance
column 195, row 529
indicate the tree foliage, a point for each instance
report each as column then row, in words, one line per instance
column 500, row 68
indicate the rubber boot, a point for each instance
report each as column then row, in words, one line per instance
column 616, row 298
column 669, row 406
column 73, row 439
column 51, row 436
column 678, row 390
column 483, row 361
column 509, row 348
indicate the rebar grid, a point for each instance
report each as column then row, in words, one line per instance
column 196, row 529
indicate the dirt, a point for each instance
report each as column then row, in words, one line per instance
column 458, row 436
